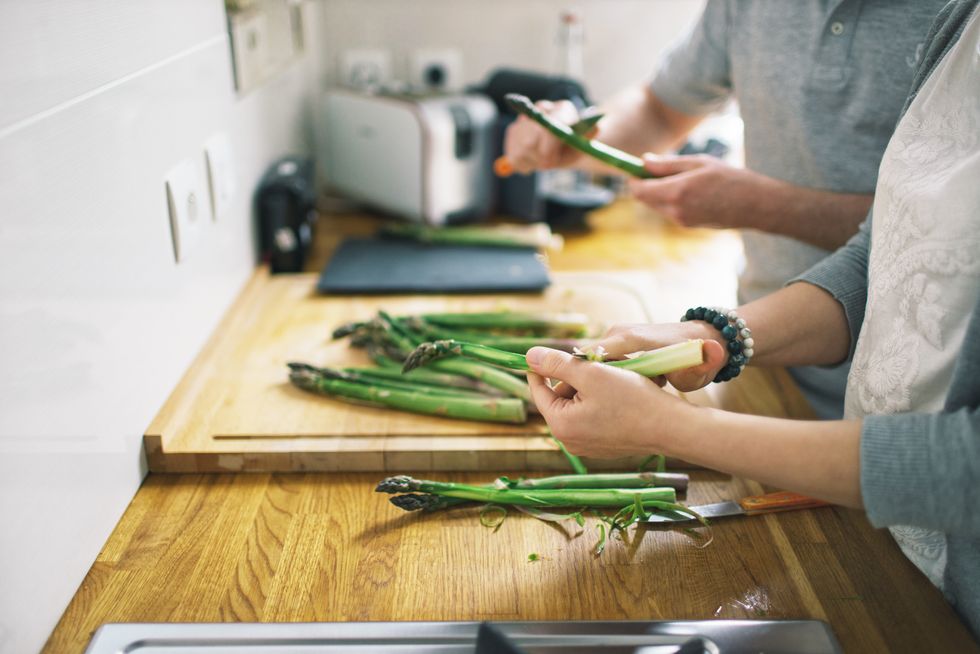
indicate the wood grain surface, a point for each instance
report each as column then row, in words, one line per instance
column 321, row 547
column 235, row 410
column 291, row 547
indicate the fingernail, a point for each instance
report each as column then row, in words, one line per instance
column 534, row 356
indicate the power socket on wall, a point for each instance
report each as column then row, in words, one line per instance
column 437, row 69
column 188, row 205
column 365, row 68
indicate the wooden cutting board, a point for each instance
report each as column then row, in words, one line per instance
column 235, row 409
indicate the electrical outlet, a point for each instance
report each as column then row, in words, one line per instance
column 437, row 69
column 250, row 46
column 365, row 69
column 219, row 159
column 187, row 204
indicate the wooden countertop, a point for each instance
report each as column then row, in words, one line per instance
column 324, row 547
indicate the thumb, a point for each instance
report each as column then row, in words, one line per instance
column 556, row 364
column 664, row 166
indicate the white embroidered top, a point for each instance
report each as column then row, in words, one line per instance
column 924, row 262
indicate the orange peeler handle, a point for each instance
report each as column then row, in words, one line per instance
column 779, row 501
column 502, row 167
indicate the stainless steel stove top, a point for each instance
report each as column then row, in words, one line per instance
column 615, row 637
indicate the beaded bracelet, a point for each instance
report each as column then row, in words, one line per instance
column 738, row 337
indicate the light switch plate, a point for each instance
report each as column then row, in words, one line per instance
column 219, row 159
column 250, row 48
column 187, row 204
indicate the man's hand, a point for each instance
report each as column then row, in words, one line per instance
column 702, row 191
column 529, row 146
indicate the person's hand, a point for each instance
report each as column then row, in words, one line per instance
column 621, row 340
column 701, row 191
column 612, row 413
column 529, row 146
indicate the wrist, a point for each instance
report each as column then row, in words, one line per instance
column 739, row 345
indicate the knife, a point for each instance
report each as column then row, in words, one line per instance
column 588, row 119
column 753, row 505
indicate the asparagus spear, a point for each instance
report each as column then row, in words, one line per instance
column 605, row 153
column 468, row 408
column 676, row 480
column 539, row 498
column 626, row 480
column 535, row 235
column 396, row 332
column 562, row 325
column 390, row 368
column 389, row 379
column 649, row 364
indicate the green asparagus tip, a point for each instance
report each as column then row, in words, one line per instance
column 427, row 352
column 397, row 484
column 416, row 501
column 519, row 102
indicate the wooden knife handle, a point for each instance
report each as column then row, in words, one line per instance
column 778, row 501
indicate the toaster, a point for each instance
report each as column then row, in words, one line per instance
column 425, row 158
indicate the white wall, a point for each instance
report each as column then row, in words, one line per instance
column 623, row 38
column 98, row 99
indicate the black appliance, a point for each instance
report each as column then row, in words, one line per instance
column 286, row 210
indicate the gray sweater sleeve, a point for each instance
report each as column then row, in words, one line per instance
column 923, row 469
column 918, row 469
column 844, row 274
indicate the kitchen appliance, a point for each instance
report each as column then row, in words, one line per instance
column 610, row 637
column 427, row 159
column 286, row 208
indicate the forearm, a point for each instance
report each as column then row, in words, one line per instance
column 821, row 218
column 798, row 325
column 821, row 459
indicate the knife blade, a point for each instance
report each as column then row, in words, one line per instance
column 752, row 505
column 588, row 119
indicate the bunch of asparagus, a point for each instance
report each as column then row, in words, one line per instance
column 474, row 363
column 454, row 387
column 632, row 497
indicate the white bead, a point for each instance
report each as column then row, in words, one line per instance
column 731, row 315
column 748, row 352
column 740, row 323
column 745, row 332
column 748, row 343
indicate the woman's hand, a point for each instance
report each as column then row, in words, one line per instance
column 621, row 340
column 530, row 147
column 612, row 413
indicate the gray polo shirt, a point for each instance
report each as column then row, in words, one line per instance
column 820, row 85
